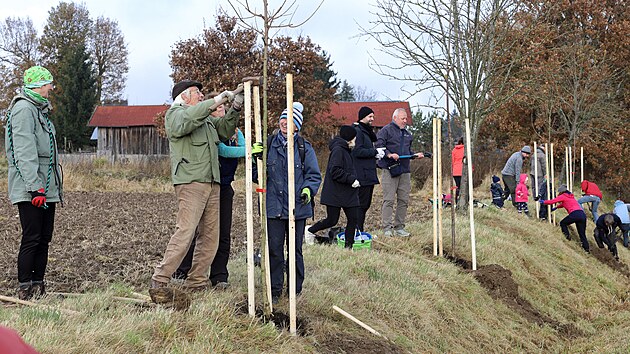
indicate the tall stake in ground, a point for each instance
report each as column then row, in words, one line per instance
column 249, row 202
column 435, row 186
column 450, row 148
column 470, row 196
column 581, row 164
column 548, row 184
column 291, row 189
column 536, row 177
column 439, row 177
column 553, row 183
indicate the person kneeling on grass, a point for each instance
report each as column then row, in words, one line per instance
column 566, row 200
column 340, row 189
column 606, row 232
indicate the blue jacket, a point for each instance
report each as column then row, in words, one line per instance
column 228, row 156
column 395, row 141
column 621, row 210
column 363, row 156
column 277, row 179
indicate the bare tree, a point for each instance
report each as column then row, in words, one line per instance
column 362, row 94
column 264, row 22
column 470, row 44
column 109, row 54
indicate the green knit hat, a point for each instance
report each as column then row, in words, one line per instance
column 37, row 76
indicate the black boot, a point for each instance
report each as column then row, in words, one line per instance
column 25, row 291
column 38, row 289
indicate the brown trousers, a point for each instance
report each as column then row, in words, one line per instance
column 197, row 206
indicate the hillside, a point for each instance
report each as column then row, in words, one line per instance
column 533, row 290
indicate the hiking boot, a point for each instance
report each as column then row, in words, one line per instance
column 25, row 292
column 222, row 285
column 402, row 233
column 275, row 299
column 158, row 284
column 38, row 290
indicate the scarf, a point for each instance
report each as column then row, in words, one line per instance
column 35, row 96
column 370, row 131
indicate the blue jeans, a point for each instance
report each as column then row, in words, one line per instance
column 624, row 229
column 591, row 199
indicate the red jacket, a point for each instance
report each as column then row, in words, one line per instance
column 565, row 200
column 457, row 156
column 522, row 193
column 590, row 188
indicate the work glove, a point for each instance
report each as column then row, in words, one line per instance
column 536, row 198
column 225, row 94
column 237, row 104
column 38, row 198
column 257, row 150
column 305, row 196
column 356, row 184
column 380, row 153
column 541, row 201
column 427, row 154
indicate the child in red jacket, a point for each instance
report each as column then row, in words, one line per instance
column 522, row 195
column 565, row 199
column 591, row 194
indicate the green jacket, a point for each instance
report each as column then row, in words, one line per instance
column 194, row 136
column 29, row 148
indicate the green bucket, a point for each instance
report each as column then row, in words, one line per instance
column 362, row 240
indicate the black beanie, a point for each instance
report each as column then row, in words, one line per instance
column 347, row 132
column 364, row 112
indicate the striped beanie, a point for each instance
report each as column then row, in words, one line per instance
column 297, row 114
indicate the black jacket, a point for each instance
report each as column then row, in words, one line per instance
column 337, row 190
column 363, row 155
column 497, row 191
column 602, row 226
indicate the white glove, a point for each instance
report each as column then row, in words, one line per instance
column 380, row 153
column 225, row 94
column 356, row 184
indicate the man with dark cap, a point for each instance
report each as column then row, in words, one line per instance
column 364, row 156
column 396, row 177
column 35, row 184
column 193, row 135
column 512, row 171
column 340, row 185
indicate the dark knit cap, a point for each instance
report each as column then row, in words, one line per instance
column 183, row 85
column 495, row 179
column 364, row 112
column 347, row 132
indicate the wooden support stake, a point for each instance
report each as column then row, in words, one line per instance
column 547, row 184
column 439, row 178
column 553, row 183
column 581, row 164
column 471, row 208
column 249, row 202
column 571, row 168
column 435, row 186
column 536, row 178
column 566, row 167
column 34, row 304
column 262, row 175
column 291, row 189
column 355, row 320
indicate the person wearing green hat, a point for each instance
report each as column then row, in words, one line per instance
column 35, row 183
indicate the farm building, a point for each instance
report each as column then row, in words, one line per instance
column 131, row 130
column 128, row 130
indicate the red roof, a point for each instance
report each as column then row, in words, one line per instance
column 125, row 116
column 130, row 116
column 382, row 111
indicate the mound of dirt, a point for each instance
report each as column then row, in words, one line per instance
column 353, row 344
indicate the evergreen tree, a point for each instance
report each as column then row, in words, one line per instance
column 345, row 92
column 76, row 98
column 325, row 74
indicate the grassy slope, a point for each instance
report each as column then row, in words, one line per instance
column 422, row 304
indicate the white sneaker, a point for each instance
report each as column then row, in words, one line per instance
column 402, row 233
column 388, row 233
column 309, row 237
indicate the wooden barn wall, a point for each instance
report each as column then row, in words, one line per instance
column 131, row 141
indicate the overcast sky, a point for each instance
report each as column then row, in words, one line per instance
column 152, row 27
